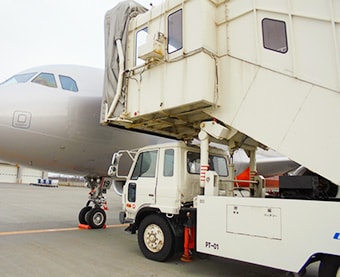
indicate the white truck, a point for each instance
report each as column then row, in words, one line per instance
column 248, row 74
column 167, row 189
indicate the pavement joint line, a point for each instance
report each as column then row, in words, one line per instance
column 25, row 232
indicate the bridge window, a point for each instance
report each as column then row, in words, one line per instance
column 274, row 35
column 175, row 36
column 68, row 83
column 19, row 78
column 45, row 79
column 141, row 37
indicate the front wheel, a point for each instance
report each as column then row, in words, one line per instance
column 96, row 218
column 155, row 238
column 82, row 214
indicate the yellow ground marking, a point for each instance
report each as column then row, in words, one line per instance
column 25, row 232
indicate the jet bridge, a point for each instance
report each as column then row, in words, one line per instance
column 267, row 70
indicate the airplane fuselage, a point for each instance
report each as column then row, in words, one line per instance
column 58, row 130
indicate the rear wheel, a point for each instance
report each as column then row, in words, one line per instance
column 96, row 218
column 155, row 238
column 82, row 214
column 329, row 266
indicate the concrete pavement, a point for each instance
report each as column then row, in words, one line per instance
column 39, row 237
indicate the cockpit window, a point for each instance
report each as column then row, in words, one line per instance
column 19, row 78
column 68, row 83
column 45, row 79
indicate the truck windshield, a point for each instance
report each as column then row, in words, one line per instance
column 145, row 165
column 216, row 163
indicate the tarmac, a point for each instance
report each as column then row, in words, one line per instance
column 39, row 236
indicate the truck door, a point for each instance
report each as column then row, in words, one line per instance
column 143, row 181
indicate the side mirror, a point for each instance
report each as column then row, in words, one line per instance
column 115, row 159
column 112, row 171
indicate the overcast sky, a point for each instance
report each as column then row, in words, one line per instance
column 38, row 32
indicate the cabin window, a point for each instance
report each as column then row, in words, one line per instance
column 45, row 79
column 19, row 78
column 274, row 35
column 145, row 165
column 141, row 37
column 175, row 30
column 132, row 192
column 168, row 169
column 216, row 163
column 68, row 83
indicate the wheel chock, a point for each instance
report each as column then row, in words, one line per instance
column 88, row 227
column 84, row 226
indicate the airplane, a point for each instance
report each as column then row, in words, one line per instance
column 49, row 120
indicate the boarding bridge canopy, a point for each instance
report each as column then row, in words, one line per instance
column 116, row 26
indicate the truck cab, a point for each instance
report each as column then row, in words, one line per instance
column 159, row 192
column 166, row 177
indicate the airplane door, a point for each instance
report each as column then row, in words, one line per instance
column 143, row 181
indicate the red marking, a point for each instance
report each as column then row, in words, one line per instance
column 272, row 182
column 244, row 176
column 204, row 167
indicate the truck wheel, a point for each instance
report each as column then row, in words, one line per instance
column 82, row 214
column 329, row 266
column 155, row 238
column 96, row 218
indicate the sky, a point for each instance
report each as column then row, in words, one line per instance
column 39, row 32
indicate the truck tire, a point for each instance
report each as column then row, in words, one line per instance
column 82, row 214
column 155, row 238
column 329, row 266
column 96, row 218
